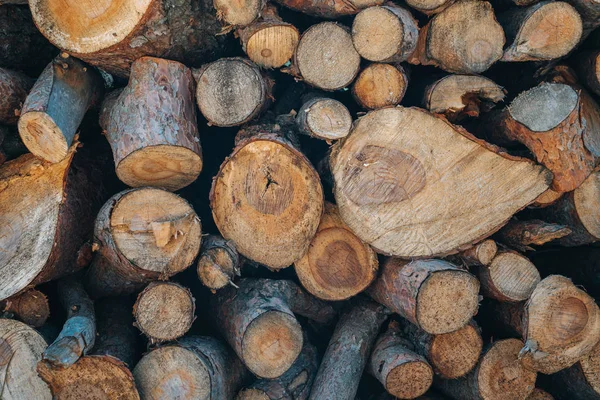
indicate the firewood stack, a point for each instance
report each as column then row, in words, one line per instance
column 299, row 200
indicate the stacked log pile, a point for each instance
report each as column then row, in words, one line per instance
column 299, row 199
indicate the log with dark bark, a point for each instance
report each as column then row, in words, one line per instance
column 194, row 368
column 219, row 262
column 14, row 87
column 258, row 322
column 141, row 235
column 460, row 96
column 164, row 311
column 402, row 372
column 380, row 85
column 509, row 277
column 323, row 118
column 269, row 41
column 481, row 254
column 452, row 355
column 435, row 295
column 442, row 176
column 337, row 265
column 267, row 198
column 117, row 336
column 113, row 36
column 55, row 107
column 295, row 384
column 520, row 235
column 151, row 126
column 326, row 58
column 21, row 348
column 559, row 21
column 348, row 351
column 498, row 376
column 30, row 307
column 589, row 11
column 465, row 38
column 47, row 213
column 387, row 33
column 588, row 69
column 329, row 9
column 232, row 91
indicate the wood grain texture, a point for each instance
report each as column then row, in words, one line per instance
column 219, row 262
column 380, row 85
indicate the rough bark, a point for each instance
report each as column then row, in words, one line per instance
column 385, row 34
column 151, row 126
column 194, row 368
column 219, row 262
column 589, row 11
column 329, row 9
column 141, row 235
column 267, row 198
column 164, row 311
column 402, row 372
column 543, row 31
column 348, row 351
column 443, row 173
column 269, row 41
column 14, row 87
column 232, row 91
column 337, row 265
column 258, row 322
column 464, row 38
column 323, row 118
column 380, row 85
column 181, row 30
column 521, row 235
column 30, row 307
column 588, row 69
column 435, row 295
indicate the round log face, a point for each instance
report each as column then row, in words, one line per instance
column 42, row 137
column 587, row 203
column 252, row 394
column 427, row 5
column 87, row 26
column 328, row 119
column 380, row 85
column 236, row 12
column 273, row 46
column 513, row 276
column 590, row 365
column 455, row 354
column 409, row 380
column 377, row 33
column 268, row 199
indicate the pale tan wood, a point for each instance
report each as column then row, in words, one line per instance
column 380, row 85
column 509, row 277
column 429, row 7
column 481, row 254
column 324, row 118
column 238, row 13
column 539, row 394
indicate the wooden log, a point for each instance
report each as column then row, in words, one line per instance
column 451, row 355
column 521, row 235
column 21, row 348
column 559, row 324
column 141, row 235
column 509, row 277
column 498, row 376
column 438, row 177
column 545, row 199
column 329, row 9
column 269, row 41
column 55, row 107
column 481, row 254
column 324, row 118
column 164, row 311
column 235, row 13
column 219, row 262
column 387, row 33
column 460, row 96
column 258, row 322
column 590, row 14
column 435, row 295
column 158, row 144
column 337, row 265
column 194, row 368
column 267, row 198
column 115, row 35
column 14, row 87
column 295, row 384
column 47, row 213
column 430, row 7
column 117, row 336
column 559, row 21
column 30, row 307
column 348, row 351
column 78, row 334
column 554, row 121
column 578, row 211
column 402, row 372
column 231, row 91
column 588, row 69
column 380, row 85
column 326, row 58
column 539, row 394
column 477, row 39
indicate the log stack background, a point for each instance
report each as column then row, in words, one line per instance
column 299, row 200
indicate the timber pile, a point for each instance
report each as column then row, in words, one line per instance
column 299, row 199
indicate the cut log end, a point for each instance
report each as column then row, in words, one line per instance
column 509, row 277
column 252, row 394
column 271, row 344
column 539, row 394
column 586, row 200
column 447, row 301
column 429, row 6
column 216, row 271
column 42, row 136
column 273, row 46
column 324, row 118
column 164, row 311
column 409, row 380
column 454, row 354
column 31, row 307
column 238, row 12
column 380, row 85
column 169, row 167
column 481, row 254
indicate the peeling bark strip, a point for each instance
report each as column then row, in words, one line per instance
column 125, row 30
column 151, row 126
column 521, row 235
column 258, row 322
column 195, row 368
column 408, row 214
column 14, row 87
column 30, row 307
column 141, row 235
column 56, row 105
